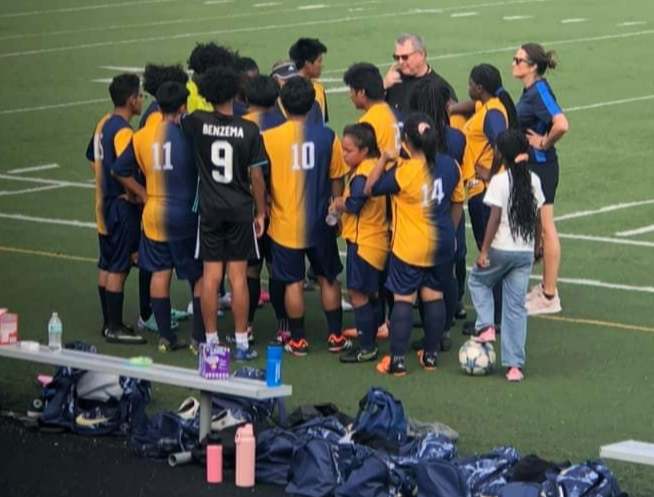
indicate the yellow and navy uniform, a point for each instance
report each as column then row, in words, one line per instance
column 314, row 116
column 111, row 137
column 152, row 115
column 364, row 220
column 448, row 189
column 387, row 128
column 165, row 157
column 195, row 101
column 266, row 119
column 304, row 158
column 481, row 131
column 321, row 98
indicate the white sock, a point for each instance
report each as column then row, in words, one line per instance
column 212, row 337
column 242, row 340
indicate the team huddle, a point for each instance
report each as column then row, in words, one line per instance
column 232, row 168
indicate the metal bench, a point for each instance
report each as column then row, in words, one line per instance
column 629, row 451
column 157, row 373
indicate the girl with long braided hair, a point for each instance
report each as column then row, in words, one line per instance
column 514, row 196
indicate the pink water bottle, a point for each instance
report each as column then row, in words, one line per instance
column 214, row 460
column 245, row 454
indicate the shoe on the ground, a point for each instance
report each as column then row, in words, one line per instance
column 225, row 301
column 36, row 408
column 180, row 315
column 395, row 366
column 540, row 304
column 150, row 324
column 123, row 335
column 460, row 312
column 428, row 361
column 264, row 297
column 188, row 408
column 358, row 354
column 166, row 345
column 485, row 335
column 418, row 344
column 283, row 337
column 225, row 419
column 446, row 342
column 514, row 375
column 232, row 338
column 242, row 355
column 346, row 306
column 194, row 347
column 468, row 328
column 298, row 348
column 534, row 291
column 338, row 343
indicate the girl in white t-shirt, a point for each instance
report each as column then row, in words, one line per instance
column 507, row 253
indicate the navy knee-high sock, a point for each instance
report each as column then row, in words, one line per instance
column 254, row 287
column 335, row 321
column 145, row 305
column 102, row 291
column 296, row 326
column 161, row 310
column 277, row 290
column 401, row 324
column 115, row 309
column 434, row 324
column 198, row 323
column 364, row 318
column 378, row 310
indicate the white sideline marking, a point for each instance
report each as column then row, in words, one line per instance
column 630, row 23
column 464, row 14
column 31, row 190
column 338, row 89
column 428, row 11
column 607, row 239
column 219, row 2
column 53, row 106
column 601, row 284
column 123, row 68
column 312, row 7
column 516, row 18
column 602, row 210
column 639, row 231
column 266, row 4
column 45, row 220
column 609, row 103
column 572, row 21
column 88, row 7
column 34, row 168
column 104, row 81
column 45, row 181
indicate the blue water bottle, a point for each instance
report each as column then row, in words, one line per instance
column 273, row 366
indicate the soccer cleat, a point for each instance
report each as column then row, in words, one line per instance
column 264, row 297
column 123, row 335
column 298, row 348
column 179, row 315
column 166, row 345
column 358, row 355
column 428, row 361
column 514, row 375
column 242, row 355
column 283, row 337
column 484, row 335
column 540, row 304
column 232, row 338
column 446, row 342
column 395, row 366
column 468, row 328
column 189, row 408
column 151, row 324
column 338, row 343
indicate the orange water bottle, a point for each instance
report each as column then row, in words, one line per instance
column 245, row 456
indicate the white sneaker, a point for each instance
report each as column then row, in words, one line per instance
column 534, row 291
column 542, row 305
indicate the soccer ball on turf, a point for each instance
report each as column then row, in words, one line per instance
column 476, row 358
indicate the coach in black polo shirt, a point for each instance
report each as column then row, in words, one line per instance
column 410, row 66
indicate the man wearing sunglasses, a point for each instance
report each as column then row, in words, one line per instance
column 410, row 66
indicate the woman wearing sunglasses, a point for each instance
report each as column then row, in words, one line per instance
column 544, row 123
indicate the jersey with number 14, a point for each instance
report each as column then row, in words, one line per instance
column 225, row 148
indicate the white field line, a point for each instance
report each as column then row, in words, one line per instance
column 53, row 106
column 187, row 20
column 516, row 18
column 338, row 89
column 123, row 68
column 31, row 190
column 44, row 167
column 266, row 4
column 601, row 284
column 218, row 2
column 235, row 30
column 638, row 231
column 602, row 210
column 609, row 103
column 88, row 7
column 606, row 239
column 573, row 21
column 45, row 181
column 631, row 23
column 46, row 220
column 464, row 14
column 313, row 7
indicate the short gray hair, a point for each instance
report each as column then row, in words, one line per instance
column 416, row 40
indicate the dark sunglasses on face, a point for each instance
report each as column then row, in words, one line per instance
column 403, row 57
column 519, row 61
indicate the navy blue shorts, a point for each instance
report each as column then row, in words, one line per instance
column 162, row 256
column 361, row 276
column 405, row 279
column 288, row 263
column 264, row 251
column 548, row 173
column 119, row 247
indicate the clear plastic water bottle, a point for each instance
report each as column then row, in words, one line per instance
column 55, row 330
column 332, row 218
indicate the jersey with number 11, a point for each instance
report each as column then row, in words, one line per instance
column 225, row 148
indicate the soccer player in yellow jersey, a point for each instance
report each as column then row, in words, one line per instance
column 307, row 53
column 365, row 228
column 117, row 218
column 204, row 56
column 306, row 171
column 417, row 192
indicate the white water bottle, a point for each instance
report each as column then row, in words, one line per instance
column 332, row 218
column 55, row 330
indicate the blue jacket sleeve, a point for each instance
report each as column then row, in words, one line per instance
column 387, row 184
column 356, row 200
column 494, row 124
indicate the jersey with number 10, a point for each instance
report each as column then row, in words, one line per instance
column 225, row 148
column 304, row 158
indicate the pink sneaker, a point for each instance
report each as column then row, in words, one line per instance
column 514, row 375
column 264, row 297
column 485, row 335
column 542, row 305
